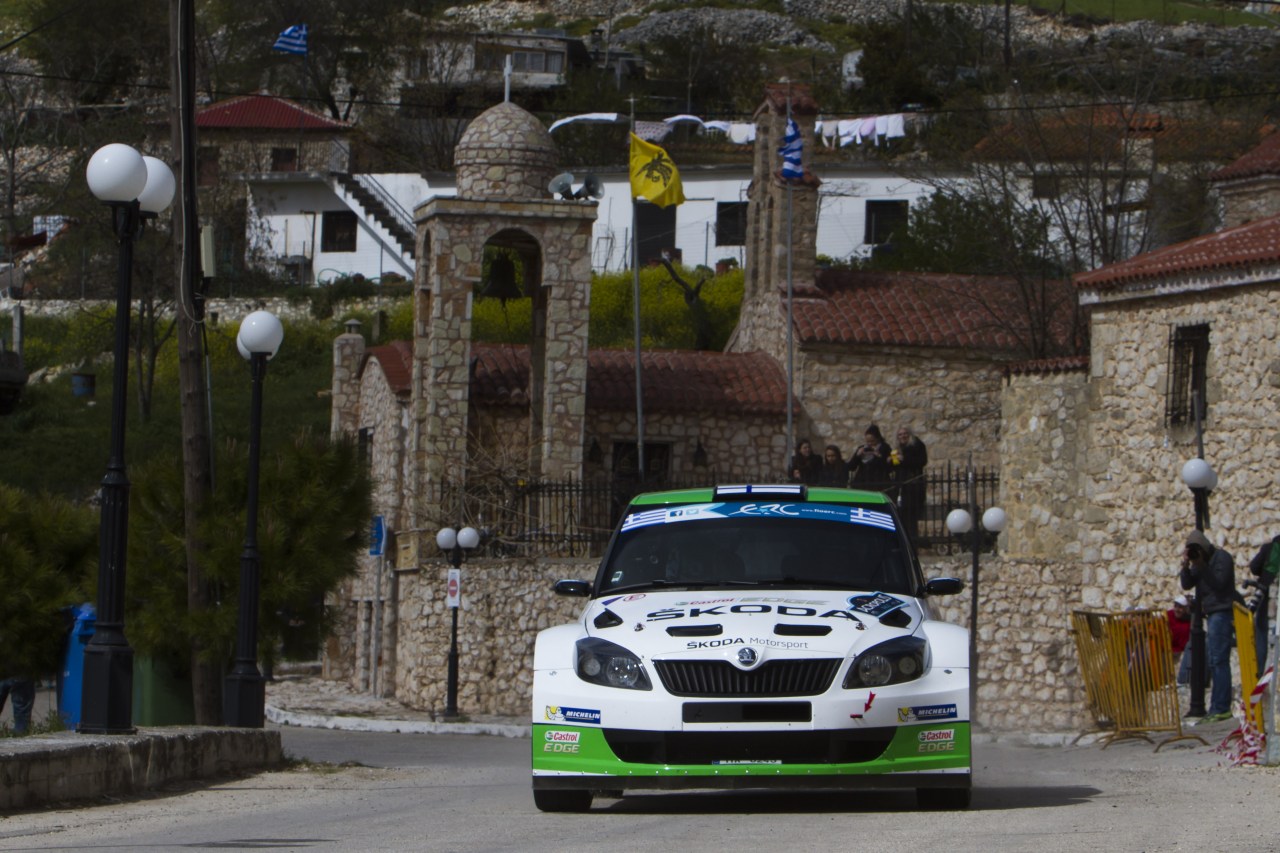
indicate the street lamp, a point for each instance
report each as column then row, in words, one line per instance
column 244, row 694
column 136, row 188
column 960, row 522
column 455, row 542
column 1200, row 479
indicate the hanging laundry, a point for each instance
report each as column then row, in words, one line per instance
column 722, row 126
column 847, row 130
column 684, row 117
column 583, row 117
column 895, row 126
column 742, row 132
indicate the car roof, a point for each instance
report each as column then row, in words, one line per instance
column 766, row 491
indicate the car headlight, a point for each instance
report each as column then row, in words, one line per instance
column 900, row 659
column 608, row 664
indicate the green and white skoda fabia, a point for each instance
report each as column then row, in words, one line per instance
column 753, row 637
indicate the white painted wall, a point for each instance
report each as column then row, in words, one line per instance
column 281, row 226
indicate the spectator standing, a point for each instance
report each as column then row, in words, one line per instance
column 909, row 459
column 835, row 471
column 805, row 465
column 869, row 464
column 1210, row 572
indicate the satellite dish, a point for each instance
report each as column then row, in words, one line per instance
column 591, row 188
column 562, row 185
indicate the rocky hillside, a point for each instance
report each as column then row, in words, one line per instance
column 633, row 23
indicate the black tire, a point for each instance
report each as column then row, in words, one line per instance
column 556, row 800
column 943, row 799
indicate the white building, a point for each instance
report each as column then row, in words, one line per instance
column 319, row 226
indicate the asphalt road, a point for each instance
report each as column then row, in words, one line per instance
column 436, row 792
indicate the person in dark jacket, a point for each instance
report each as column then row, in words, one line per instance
column 1212, row 573
column 835, row 471
column 909, row 459
column 805, row 465
column 869, row 464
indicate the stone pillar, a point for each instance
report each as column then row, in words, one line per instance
column 348, row 355
column 566, row 282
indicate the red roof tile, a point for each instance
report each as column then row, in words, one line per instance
column 673, row 380
column 926, row 310
column 263, row 112
column 1262, row 160
column 1256, row 242
column 396, row 361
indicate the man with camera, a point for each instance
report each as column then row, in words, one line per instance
column 1211, row 572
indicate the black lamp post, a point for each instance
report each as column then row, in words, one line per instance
column 455, row 542
column 135, row 188
column 244, row 693
column 961, row 522
column 1200, row 479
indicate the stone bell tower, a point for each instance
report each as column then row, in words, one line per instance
column 505, row 160
column 782, row 222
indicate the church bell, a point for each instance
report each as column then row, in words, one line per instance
column 501, row 283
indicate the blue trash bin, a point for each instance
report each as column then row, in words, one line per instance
column 71, row 676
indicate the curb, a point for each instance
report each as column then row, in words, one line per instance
column 366, row 724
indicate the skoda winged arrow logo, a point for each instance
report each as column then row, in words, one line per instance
column 748, row 657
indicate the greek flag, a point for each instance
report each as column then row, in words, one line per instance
column 790, row 151
column 293, row 40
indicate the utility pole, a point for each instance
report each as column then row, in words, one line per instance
column 197, row 465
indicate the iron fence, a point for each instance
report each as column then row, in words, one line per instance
column 575, row 518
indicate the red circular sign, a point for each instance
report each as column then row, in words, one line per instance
column 453, row 587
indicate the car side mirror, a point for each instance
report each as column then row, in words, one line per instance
column 943, row 586
column 581, row 589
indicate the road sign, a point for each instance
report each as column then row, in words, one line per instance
column 453, row 590
column 377, row 536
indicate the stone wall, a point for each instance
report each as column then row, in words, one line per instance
column 951, row 400
column 1027, row 662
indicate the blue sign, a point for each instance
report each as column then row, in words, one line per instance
column 377, row 536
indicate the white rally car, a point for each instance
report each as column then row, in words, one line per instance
column 751, row 637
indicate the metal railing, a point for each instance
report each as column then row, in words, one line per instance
column 378, row 191
column 575, row 518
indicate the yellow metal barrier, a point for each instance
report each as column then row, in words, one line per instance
column 1130, row 679
column 1247, row 653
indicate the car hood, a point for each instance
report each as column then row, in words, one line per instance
column 774, row 623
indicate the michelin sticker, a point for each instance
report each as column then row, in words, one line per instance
column 925, row 713
column 561, row 714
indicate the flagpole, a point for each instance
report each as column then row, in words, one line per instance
column 790, row 324
column 635, row 310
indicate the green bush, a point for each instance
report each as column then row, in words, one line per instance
column 47, row 555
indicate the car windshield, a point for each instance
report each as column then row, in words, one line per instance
column 732, row 545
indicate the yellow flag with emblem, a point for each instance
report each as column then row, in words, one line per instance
column 653, row 176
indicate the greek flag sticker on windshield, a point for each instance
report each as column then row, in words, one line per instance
column 714, row 511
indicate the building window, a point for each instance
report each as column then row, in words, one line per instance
column 731, row 223
column 1045, row 186
column 206, row 165
column 284, row 159
column 885, row 219
column 657, row 460
column 338, row 231
column 1188, row 360
column 656, row 227
column 364, row 446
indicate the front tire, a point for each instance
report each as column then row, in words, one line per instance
column 556, row 800
column 943, row 799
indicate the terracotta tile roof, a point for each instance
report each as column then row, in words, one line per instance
column 1069, row 134
column 263, row 112
column 674, row 380
column 396, row 361
column 1264, row 159
column 925, row 310
column 1062, row 364
column 1256, row 242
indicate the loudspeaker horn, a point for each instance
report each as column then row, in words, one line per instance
column 562, row 185
column 592, row 187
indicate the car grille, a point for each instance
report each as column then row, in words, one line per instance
column 851, row 746
column 772, row 678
